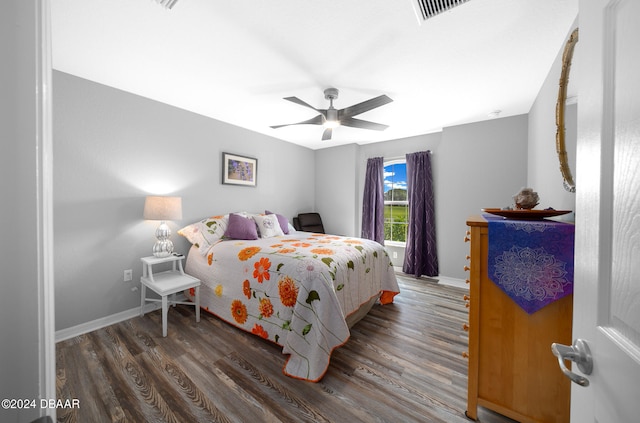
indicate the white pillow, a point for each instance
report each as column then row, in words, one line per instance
column 205, row 233
column 268, row 225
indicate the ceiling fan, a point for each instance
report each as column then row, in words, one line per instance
column 333, row 117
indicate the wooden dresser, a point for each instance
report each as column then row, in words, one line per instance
column 511, row 367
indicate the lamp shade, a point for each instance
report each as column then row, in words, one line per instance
column 162, row 208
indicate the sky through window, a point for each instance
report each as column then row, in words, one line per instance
column 395, row 176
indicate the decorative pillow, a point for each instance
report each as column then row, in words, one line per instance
column 241, row 227
column 244, row 214
column 268, row 225
column 205, row 233
column 284, row 223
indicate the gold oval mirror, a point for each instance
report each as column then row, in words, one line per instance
column 561, row 148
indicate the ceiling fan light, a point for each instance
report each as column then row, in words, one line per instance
column 331, row 123
column 331, row 120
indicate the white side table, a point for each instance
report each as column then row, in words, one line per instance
column 167, row 283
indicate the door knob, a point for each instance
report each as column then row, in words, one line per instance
column 580, row 354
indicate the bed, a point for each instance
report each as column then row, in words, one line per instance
column 300, row 290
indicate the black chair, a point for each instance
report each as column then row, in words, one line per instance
column 308, row 222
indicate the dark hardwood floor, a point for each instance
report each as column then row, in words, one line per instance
column 403, row 363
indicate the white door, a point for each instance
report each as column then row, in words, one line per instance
column 607, row 277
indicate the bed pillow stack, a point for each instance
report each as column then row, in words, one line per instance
column 241, row 225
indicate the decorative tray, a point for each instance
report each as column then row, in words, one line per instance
column 526, row 214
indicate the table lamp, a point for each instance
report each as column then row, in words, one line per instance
column 163, row 209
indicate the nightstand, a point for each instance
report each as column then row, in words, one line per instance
column 167, row 283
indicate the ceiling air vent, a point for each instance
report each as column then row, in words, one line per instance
column 167, row 3
column 430, row 8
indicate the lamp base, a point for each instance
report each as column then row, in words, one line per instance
column 163, row 246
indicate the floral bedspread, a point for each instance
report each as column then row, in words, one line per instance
column 295, row 290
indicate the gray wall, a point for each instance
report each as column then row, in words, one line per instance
column 21, row 249
column 484, row 164
column 474, row 166
column 111, row 149
column 337, row 189
column 544, row 169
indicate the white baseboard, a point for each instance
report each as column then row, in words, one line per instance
column 68, row 333
column 459, row 283
column 444, row 280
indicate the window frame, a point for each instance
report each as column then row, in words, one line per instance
column 396, row 202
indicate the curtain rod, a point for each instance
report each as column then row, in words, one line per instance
column 404, row 157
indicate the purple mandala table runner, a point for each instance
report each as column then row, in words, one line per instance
column 531, row 260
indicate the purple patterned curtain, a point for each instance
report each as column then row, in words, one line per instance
column 373, row 201
column 420, row 256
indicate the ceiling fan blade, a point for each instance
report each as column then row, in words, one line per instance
column 326, row 135
column 364, row 124
column 318, row 120
column 301, row 103
column 365, row 106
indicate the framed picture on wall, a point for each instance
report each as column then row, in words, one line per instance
column 239, row 170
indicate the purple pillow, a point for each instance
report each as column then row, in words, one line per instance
column 284, row 223
column 241, row 228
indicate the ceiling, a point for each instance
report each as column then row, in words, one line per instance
column 234, row 61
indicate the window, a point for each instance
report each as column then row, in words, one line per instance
column 396, row 204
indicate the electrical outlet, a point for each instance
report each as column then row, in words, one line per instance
column 395, row 254
column 128, row 275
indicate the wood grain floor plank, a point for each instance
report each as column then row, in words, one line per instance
column 232, row 403
column 137, row 396
column 90, row 382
